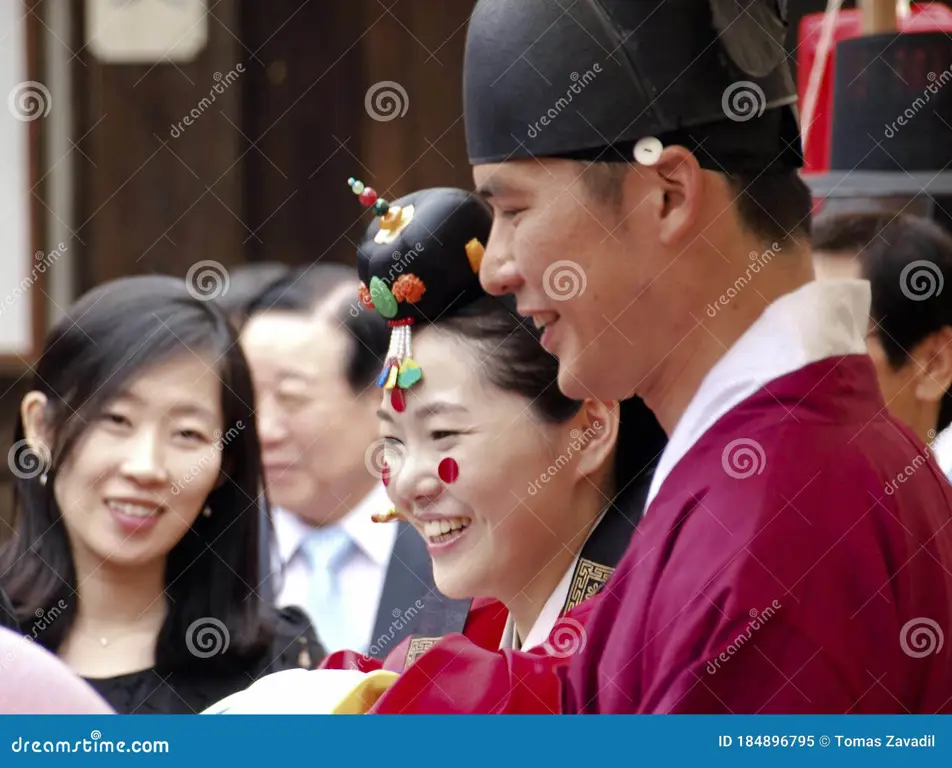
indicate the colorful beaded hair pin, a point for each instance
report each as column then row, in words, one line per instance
column 418, row 259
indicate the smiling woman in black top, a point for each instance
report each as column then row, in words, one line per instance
column 137, row 492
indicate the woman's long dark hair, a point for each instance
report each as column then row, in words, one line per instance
column 110, row 336
column 515, row 361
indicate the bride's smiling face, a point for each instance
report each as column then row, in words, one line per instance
column 478, row 473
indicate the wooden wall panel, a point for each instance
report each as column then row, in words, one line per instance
column 306, row 112
column 418, row 44
column 151, row 201
column 302, row 105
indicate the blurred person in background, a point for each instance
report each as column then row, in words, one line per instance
column 314, row 356
column 907, row 261
column 137, row 488
column 246, row 284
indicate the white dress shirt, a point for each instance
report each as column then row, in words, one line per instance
column 824, row 318
column 361, row 575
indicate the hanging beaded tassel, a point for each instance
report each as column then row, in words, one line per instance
column 400, row 371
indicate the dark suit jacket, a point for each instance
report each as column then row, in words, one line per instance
column 408, row 583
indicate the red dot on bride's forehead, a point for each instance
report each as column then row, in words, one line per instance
column 449, row 471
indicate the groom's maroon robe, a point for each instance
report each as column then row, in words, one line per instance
column 817, row 578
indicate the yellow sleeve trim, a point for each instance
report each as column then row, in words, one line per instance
column 366, row 693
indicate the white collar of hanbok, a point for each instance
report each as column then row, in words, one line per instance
column 824, row 318
column 548, row 617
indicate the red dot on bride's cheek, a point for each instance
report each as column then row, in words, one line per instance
column 449, row 471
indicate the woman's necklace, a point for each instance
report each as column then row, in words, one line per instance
column 146, row 625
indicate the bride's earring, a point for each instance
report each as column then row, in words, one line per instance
column 207, row 511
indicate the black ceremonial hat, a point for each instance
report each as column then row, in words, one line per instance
column 589, row 79
column 418, row 260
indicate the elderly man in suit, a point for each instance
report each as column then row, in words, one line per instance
column 315, row 355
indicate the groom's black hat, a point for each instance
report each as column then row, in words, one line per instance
column 588, row 79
